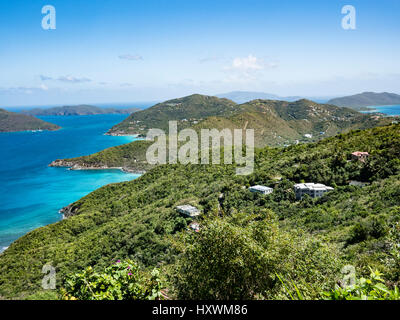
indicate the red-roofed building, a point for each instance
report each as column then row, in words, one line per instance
column 360, row 156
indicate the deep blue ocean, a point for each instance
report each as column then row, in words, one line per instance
column 31, row 193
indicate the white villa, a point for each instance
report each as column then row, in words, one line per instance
column 261, row 189
column 188, row 210
column 314, row 190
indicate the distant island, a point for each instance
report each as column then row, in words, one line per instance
column 79, row 110
column 12, row 122
column 366, row 99
column 245, row 96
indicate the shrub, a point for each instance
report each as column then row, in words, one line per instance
column 120, row 281
column 372, row 288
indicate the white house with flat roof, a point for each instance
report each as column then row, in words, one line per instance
column 261, row 189
column 188, row 210
column 314, row 190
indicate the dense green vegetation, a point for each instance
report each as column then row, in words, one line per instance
column 276, row 123
column 123, row 280
column 372, row 288
column 249, row 244
column 367, row 99
column 79, row 110
column 188, row 110
column 11, row 122
column 279, row 123
column 131, row 156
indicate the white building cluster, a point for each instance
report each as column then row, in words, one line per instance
column 261, row 189
column 314, row 190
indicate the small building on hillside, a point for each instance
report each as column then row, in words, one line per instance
column 261, row 189
column 360, row 156
column 356, row 183
column 314, row 190
column 188, row 210
column 194, row 226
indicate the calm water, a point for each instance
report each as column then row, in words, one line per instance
column 389, row 110
column 31, row 193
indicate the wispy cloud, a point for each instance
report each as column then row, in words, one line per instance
column 68, row 79
column 126, row 84
column 24, row 89
column 45, row 78
column 131, row 57
column 71, row 79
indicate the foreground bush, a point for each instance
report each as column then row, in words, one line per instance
column 373, row 288
column 239, row 258
column 121, row 281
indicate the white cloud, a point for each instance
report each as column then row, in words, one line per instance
column 247, row 64
column 132, row 57
column 71, row 79
column 243, row 69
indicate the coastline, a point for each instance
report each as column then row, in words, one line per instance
column 121, row 134
column 75, row 166
column 32, row 131
column 385, row 110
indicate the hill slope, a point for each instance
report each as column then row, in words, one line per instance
column 276, row 123
column 279, row 123
column 189, row 110
column 367, row 99
column 137, row 219
column 11, row 122
column 77, row 111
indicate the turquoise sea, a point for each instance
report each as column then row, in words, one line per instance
column 389, row 110
column 31, row 193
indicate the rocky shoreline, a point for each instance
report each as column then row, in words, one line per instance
column 123, row 134
column 75, row 166
column 68, row 211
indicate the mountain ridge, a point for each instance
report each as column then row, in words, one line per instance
column 246, row 96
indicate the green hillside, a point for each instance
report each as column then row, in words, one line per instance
column 11, row 122
column 276, row 123
column 279, row 123
column 130, row 157
column 247, row 239
column 189, row 110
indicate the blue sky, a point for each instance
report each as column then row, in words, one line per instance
column 126, row 50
